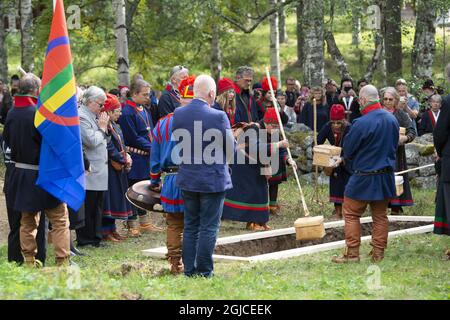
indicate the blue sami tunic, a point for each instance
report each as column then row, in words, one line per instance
column 161, row 160
column 371, row 145
column 341, row 174
column 248, row 201
column 115, row 204
column 136, row 124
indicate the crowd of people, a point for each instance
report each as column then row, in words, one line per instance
column 129, row 134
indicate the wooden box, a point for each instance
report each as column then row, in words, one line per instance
column 326, row 155
column 309, row 228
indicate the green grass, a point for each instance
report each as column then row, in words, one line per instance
column 412, row 269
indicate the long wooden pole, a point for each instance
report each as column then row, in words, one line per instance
column 414, row 169
column 316, row 169
column 280, row 123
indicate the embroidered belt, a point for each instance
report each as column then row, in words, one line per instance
column 27, row 166
column 371, row 173
column 137, row 151
column 172, row 170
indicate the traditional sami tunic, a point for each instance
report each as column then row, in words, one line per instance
column 441, row 137
column 428, row 122
column 246, row 108
column 369, row 146
column 248, row 201
column 406, row 198
column 307, row 116
column 169, row 101
column 340, row 175
column 351, row 106
column 115, row 205
column 161, row 161
column 136, row 124
column 24, row 140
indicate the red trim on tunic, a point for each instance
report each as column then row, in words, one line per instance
column 237, row 206
column 167, row 125
column 171, row 201
column 155, row 176
column 442, row 225
column 336, row 199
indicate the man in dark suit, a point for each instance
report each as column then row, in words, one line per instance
column 441, row 135
column 203, row 179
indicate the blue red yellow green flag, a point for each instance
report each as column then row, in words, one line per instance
column 61, row 169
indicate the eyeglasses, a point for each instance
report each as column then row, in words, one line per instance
column 388, row 99
column 100, row 104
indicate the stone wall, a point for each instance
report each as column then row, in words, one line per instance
column 418, row 153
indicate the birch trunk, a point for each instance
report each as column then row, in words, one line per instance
column 3, row 51
column 376, row 57
column 313, row 66
column 216, row 55
column 26, row 29
column 356, row 26
column 282, row 24
column 274, row 45
column 336, row 54
column 120, row 31
column 424, row 40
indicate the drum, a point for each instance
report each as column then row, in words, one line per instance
column 141, row 196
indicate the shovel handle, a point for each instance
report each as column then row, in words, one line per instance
column 280, row 123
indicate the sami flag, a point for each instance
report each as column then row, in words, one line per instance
column 61, row 168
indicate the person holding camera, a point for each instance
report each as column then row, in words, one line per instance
column 407, row 102
column 349, row 100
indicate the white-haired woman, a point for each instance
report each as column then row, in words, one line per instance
column 93, row 128
column 391, row 100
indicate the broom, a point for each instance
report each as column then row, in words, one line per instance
column 307, row 228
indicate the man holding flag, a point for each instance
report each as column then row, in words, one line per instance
column 49, row 171
column 24, row 196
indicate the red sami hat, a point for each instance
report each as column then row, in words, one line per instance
column 270, row 116
column 265, row 83
column 225, row 84
column 337, row 112
column 111, row 103
column 186, row 87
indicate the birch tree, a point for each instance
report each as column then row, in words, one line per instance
column 26, row 29
column 120, row 31
column 274, row 44
column 3, row 51
column 216, row 54
column 313, row 66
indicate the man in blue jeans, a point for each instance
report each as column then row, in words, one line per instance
column 203, row 174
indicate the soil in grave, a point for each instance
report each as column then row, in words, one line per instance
column 255, row 247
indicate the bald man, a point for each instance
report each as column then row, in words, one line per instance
column 203, row 175
column 370, row 150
